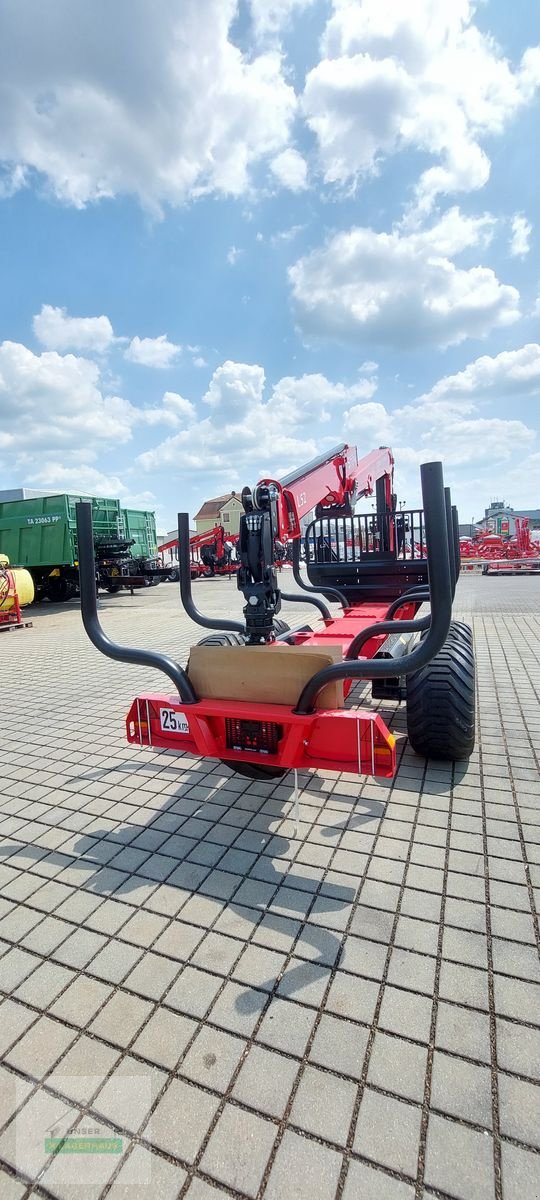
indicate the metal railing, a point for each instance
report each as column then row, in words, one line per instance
column 367, row 537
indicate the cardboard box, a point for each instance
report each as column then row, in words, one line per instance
column 267, row 674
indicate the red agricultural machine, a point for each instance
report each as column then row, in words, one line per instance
column 210, row 553
column 264, row 698
column 503, row 555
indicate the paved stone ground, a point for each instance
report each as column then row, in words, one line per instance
column 351, row 1011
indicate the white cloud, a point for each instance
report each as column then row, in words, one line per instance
column 271, row 16
column 510, row 373
column 290, row 168
column 52, row 476
column 368, row 367
column 152, row 352
column 252, row 431
column 521, row 236
column 182, row 409
column 180, row 113
column 244, row 431
column 52, row 401
column 57, row 409
column 233, row 254
column 421, row 76
column 58, row 331
column 369, row 423
column 402, row 289
column 175, row 410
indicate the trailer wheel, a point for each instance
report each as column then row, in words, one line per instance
column 113, row 588
column 281, row 626
column 255, row 771
column 59, row 589
column 440, row 700
column 459, row 631
column 227, row 638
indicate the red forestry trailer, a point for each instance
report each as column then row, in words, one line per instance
column 210, row 553
column 380, row 568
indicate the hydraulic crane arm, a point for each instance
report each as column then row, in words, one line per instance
column 215, row 535
column 334, row 480
column 274, row 509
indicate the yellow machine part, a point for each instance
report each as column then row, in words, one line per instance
column 15, row 580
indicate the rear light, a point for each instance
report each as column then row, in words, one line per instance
column 261, row 737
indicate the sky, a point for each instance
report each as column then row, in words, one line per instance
column 235, row 233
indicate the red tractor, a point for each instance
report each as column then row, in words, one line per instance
column 379, row 568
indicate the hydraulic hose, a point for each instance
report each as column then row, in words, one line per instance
column 127, row 654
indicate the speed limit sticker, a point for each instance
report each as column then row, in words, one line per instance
column 172, row 721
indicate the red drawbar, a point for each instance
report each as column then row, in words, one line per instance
column 271, row 735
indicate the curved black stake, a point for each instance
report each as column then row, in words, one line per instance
column 127, row 654
column 441, row 602
column 451, row 547
column 290, row 597
column 385, row 627
column 414, row 596
column 185, row 584
column 331, row 593
column 455, row 527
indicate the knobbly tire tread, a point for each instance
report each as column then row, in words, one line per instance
column 440, row 700
column 228, row 637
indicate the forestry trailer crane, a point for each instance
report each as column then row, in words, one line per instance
column 256, row 693
column 210, row 553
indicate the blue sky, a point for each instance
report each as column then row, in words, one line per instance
column 234, row 234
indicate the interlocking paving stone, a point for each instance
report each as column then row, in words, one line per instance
column 248, row 960
column 463, row 1031
column 303, row 1170
column 120, row 1018
column 461, row 1089
column 398, row 1066
column 81, row 1071
column 165, row 1037
column 165, row 1179
column 129, row 1093
column 14, row 1021
column 519, row 1104
column 266, row 1080
column 213, row 1058
column 364, row 1180
column 181, row 1120
column 388, row 1132
column 520, row 1173
column 39, row 1048
column 459, row 1160
column 239, row 1149
column 518, row 1048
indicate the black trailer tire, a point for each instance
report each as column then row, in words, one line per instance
column 459, row 631
column 256, row 771
column 440, row 702
column 113, row 588
column 59, row 589
column 226, row 638
column 281, row 626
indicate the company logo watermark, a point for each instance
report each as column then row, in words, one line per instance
column 88, row 1139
